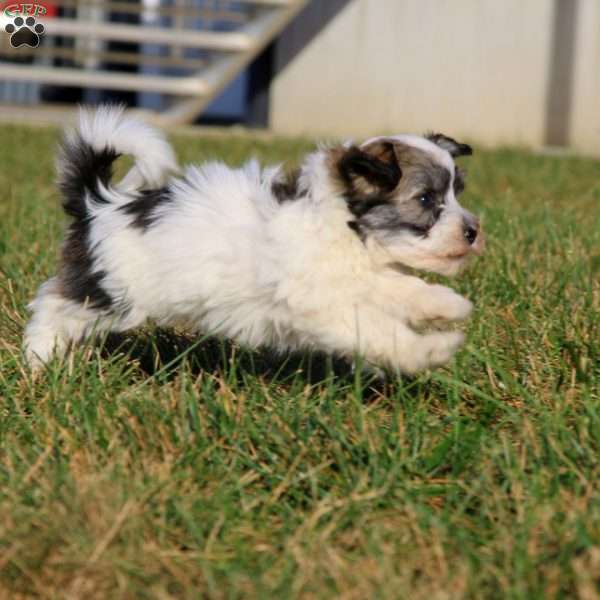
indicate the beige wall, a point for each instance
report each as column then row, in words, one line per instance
column 585, row 119
column 476, row 69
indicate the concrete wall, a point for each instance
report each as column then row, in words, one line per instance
column 585, row 115
column 478, row 69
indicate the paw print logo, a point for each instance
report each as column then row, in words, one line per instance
column 24, row 32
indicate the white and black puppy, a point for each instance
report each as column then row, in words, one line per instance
column 321, row 258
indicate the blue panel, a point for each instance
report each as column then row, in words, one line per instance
column 231, row 103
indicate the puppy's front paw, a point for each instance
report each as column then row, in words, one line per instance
column 38, row 352
column 450, row 306
column 446, row 345
column 431, row 350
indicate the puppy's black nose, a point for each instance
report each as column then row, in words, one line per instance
column 470, row 231
column 470, row 234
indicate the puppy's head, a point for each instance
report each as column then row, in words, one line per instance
column 402, row 195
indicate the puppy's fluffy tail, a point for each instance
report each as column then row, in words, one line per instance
column 88, row 153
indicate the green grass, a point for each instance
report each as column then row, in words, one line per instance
column 131, row 473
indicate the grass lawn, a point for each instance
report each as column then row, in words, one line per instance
column 157, row 467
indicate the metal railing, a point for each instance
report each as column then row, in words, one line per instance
column 188, row 51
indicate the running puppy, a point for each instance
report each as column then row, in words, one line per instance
column 321, row 257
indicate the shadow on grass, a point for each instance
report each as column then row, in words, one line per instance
column 165, row 351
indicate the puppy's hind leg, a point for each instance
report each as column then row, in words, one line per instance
column 56, row 322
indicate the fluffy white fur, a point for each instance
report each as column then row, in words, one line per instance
column 225, row 257
column 106, row 127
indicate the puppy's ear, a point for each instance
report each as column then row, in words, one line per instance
column 369, row 170
column 452, row 146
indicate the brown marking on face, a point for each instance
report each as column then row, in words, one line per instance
column 365, row 172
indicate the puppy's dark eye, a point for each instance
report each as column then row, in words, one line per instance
column 427, row 200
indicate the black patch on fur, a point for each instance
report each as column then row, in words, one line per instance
column 383, row 176
column 355, row 226
column 287, row 188
column 81, row 170
column 143, row 208
column 79, row 282
column 368, row 182
column 361, row 206
column 451, row 145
